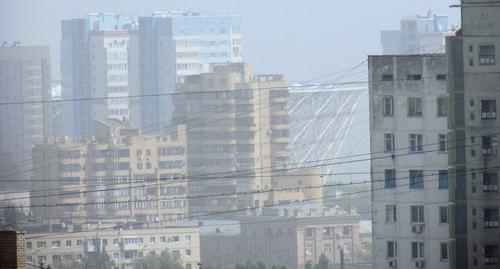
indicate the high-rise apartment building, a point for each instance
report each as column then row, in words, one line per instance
column 237, row 134
column 122, row 174
column 25, row 76
column 110, row 57
column 474, row 75
column 202, row 40
column 417, row 35
column 98, row 54
column 409, row 161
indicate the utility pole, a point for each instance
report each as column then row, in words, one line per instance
column 342, row 258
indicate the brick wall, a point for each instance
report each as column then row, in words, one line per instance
column 12, row 250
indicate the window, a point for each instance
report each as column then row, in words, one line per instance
column 56, row 244
column 79, row 243
column 188, row 266
column 163, row 239
column 392, row 250
column 442, row 141
column 389, row 142
column 309, row 249
column 416, row 179
column 347, row 230
column 490, row 182
column 390, row 178
column 443, row 215
column 68, row 243
column 56, row 258
column 444, row 251
column 390, row 213
column 388, row 109
column 417, row 250
column 491, row 253
column 152, row 240
column 28, row 245
column 414, row 77
column 188, row 238
column 490, row 217
column 41, row 244
column 387, row 77
column 79, row 257
column 116, row 256
column 417, row 214
column 327, row 232
column 309, row 232
column 414, row 107
column 488, row 109
column 443, row 179
column 116, row 241
column 327, row 248
column 188, row 252
column 441, row 76
column 488, row 142
column 487, row 55
column 42, row 259
column 442, row 106
column 416, row 143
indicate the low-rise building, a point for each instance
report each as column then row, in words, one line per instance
column 291, row 235
column 120, row 173
column 122, row 245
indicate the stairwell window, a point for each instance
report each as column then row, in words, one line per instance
column 390, row 214
column 487, row 55
column 388, row 106
column 442, row 106
column 390, row 178
column 444, row 252
column 443, row 179
column 389, row 142
column 442, row 141
column 392, row 249
column 443, row 215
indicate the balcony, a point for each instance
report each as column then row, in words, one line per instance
column 487, row 59
column 491, row 259
column 490, row 188
column 490, row 224
column 488, row 115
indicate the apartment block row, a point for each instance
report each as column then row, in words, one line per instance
column 123, row 245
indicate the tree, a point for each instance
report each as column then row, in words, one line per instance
column 97, row 259
column 68, row 265
column 323, row 262
column 164, row 261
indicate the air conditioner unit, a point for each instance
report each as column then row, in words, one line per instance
column 417, row 228
column 420, row 264
column 393, row 264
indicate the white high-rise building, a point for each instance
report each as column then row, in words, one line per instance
column 408, row 116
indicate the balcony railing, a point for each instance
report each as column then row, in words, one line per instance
column 490, row 188
column 487, row 59
column 488, row 115
column 491, row 259
column 489, row 223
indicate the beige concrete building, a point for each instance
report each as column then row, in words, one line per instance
column 238, row 130
column 474, row 73
column 120, row 174
column 293, row 236
column 122, row 245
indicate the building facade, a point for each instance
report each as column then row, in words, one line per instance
column 294, row 236
column 97, row 52
column 473, row 123
column 125, row 175
column 409, row 161
column 238, row 129
column 25, row 76
column 123, row 245
column 417, row 35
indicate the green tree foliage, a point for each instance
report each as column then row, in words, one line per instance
column 258, row 265
column 68, row 265
column 97, row 259
column 164, row 261
column 323, row 262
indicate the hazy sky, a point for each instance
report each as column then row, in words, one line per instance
column 301, row 39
